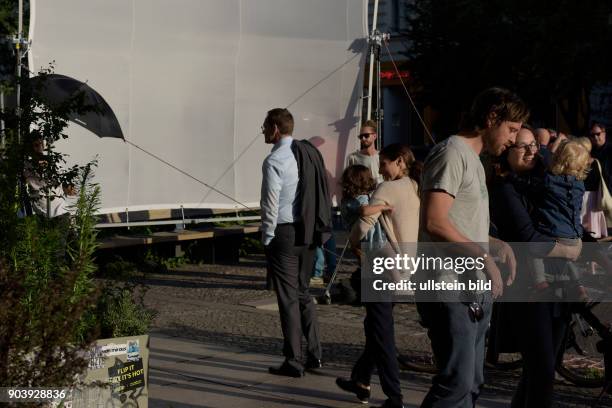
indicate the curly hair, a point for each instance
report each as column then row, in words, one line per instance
column 585, row 142
column 571, row 159
column 357, row 180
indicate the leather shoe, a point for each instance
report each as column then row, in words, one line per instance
column 286, row 370
column 313, row 364
column 362, row 394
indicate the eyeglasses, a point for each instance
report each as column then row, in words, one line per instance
column 596, row 134
column 524, row 147
column 365, row 135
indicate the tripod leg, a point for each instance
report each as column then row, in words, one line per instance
column 333, row 277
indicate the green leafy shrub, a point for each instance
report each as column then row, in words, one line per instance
column 123, row 315
column 46, row 265
column 46, row 278
column 251, row 246
column 121, row 311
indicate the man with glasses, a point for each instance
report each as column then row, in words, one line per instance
column 288, row 253
column 602, row 150
column 367, row 155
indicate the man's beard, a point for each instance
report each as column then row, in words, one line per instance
column 365, row 145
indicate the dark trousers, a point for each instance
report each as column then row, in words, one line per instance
column 458, row 344
column 543, row 330
column 289, row 267
column 379, row 351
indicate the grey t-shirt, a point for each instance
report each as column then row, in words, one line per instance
column 453, row 166
column 371, row 162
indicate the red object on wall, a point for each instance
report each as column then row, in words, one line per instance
column 393, row 75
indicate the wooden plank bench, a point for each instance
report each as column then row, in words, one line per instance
column 207, row 244
column 122, row 241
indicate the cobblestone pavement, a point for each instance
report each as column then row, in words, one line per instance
column 217, row 304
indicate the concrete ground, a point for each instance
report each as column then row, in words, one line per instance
column 217, row 331
column 188, row 373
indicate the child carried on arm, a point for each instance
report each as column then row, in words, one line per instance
column 557, row 196
column 357, row 187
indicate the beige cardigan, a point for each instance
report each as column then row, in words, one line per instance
column 401, row 225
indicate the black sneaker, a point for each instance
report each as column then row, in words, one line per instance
column 362, row 394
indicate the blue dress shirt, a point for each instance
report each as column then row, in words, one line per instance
column 278, row 189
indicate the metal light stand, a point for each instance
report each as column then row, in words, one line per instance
column 22, row 44
column 376, row 40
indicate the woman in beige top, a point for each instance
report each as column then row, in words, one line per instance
column 401, row 225
column 398, row 191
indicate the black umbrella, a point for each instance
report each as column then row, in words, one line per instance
column 99, row 119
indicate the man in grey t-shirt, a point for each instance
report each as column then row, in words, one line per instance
column 455, row 209
column 454, row 168
column 367, row 155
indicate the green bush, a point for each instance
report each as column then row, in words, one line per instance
column 120, row 311
column 46, row 278
column 49, row 295
column 52, row 307
column 122, row 315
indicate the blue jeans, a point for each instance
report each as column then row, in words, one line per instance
column 321, row 257
column 458, row 344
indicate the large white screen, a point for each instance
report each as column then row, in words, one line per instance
column 191, row 81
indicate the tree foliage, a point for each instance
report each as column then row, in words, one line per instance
column 46, row 265
column 47, row 286
column 51, row 307
column 548, row 51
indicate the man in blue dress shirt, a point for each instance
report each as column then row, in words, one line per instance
column 289, row 263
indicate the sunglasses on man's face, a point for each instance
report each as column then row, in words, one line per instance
column 364, row 135
column 596, row 134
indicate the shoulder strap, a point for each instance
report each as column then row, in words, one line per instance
column 598, row 165
column 602, row 180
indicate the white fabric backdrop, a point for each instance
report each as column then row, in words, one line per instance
column 191, row 81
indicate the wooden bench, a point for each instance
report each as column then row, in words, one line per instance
column 121, row 241
column 222, row 243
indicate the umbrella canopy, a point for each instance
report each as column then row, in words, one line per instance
column 57, row 89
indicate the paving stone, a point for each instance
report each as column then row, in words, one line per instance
column 217, row 331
